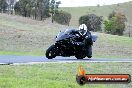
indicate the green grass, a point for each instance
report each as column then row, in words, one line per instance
column 24, row 36
column 33, row 53
column 113, row 46
column 18, row 34
column 58, row 75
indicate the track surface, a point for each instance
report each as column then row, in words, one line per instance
column 10, row 59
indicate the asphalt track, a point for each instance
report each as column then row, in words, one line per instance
column 12, row 59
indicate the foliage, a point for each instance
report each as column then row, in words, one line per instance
column 54, row 8
column 38, row 9
column 10, row 8
column 62, row 17
column 92, row 21
column 3, row 6
column 111, row 15
column 115, row 23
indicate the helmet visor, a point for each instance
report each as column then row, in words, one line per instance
column 82, row 31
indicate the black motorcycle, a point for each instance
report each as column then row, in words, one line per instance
column 64, row 46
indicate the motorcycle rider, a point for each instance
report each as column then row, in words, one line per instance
column 83, row 38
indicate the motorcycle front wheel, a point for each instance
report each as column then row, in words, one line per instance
column 51, row 52
column 80, row 55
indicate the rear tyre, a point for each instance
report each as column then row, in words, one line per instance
column 51, row 52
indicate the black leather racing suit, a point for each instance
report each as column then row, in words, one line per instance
column 85, row 40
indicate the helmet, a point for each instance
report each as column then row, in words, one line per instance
column 82, row 29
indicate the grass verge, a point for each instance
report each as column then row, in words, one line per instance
column 58, row 75
column 33, row 53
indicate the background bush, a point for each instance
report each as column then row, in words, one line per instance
column 92, row 21
column 115, row 23
column 62, row 17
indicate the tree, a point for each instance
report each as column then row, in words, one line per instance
column 115, row 23
column 22, row 7
column 54, row 8
column 39, row 9
column 11, row 4
column 3, row 6
column 92, row 21
column 43, row 9
column 17, row 8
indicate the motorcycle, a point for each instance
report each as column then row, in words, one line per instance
column 64, row 46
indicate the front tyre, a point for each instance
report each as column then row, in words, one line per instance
column 89, row 56
column 51, row 52
column 80, row 56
